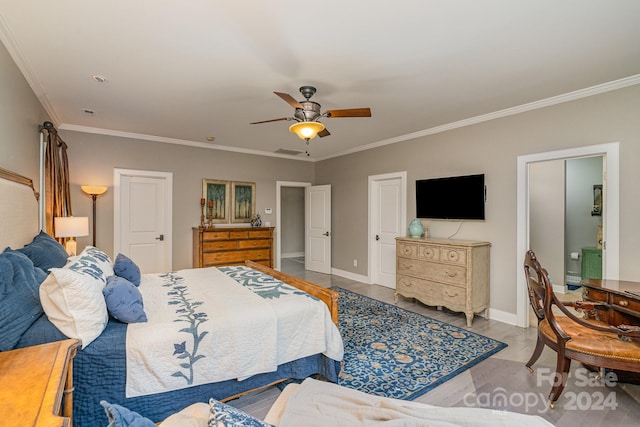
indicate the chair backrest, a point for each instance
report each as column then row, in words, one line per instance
column 535, row 285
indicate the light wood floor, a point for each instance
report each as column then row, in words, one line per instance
column 501, row 381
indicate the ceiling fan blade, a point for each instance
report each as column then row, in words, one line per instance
column 324, row 133
column 290, row 100
column 350, row 112
column 272, row 120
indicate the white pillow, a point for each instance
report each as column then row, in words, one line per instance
column 73, row 302
column 92, row 261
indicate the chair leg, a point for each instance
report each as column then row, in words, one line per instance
column 562, row 373
column 536, row 355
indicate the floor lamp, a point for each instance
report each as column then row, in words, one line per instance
column 94, row 191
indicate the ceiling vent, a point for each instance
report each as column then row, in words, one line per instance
column 288, row 152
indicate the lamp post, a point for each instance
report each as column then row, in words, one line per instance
column 94, row 191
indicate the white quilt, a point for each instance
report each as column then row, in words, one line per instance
column 203, row 326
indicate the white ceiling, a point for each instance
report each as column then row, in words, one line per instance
column 183, row 70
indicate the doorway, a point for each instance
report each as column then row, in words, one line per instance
column 289, row 220
column 610, row 213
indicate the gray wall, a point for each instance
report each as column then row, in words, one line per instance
column 20, row 115
column 492, row 148
column 93, row 157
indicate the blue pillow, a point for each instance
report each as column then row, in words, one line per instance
column 124, row 267
column 119, row 416
column 45, row 252
column 19, row 297
column 124, row 300
column 223, row 415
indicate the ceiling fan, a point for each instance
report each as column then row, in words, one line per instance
column 307, row 114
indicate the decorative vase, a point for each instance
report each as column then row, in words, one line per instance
column 256, row 221
column 416, row 229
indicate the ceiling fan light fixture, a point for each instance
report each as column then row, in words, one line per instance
column 306, row 130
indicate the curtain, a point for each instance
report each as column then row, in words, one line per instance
column 56, row 167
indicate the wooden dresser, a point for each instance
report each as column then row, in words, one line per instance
column 36, row 385
column 213, row 247
column 442, row 272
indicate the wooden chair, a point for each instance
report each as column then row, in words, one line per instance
column 590, row 342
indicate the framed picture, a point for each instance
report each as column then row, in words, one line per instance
column 215, row 194
column 243, row 201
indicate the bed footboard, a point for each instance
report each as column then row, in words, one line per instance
column 326, row 295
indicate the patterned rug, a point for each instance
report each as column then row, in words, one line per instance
column 393, row 352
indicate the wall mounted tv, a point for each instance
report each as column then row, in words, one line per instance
column 456, row 197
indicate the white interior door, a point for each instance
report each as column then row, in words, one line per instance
column 143, row 215
column 387, row 221
column 318, row 228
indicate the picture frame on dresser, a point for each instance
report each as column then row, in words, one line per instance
column 216, row 194
column 243, row 201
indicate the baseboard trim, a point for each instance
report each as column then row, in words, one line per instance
column 502, row 316
column 349, row 275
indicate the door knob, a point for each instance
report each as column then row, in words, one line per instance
column 326, row 233
column 161, row 238
column 377, row 237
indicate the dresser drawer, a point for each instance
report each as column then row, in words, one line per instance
column 244, row 234
column 453, row 274
column 257, row 234
column 594, row 295
column 218, row 258
column 256, row 243
column 456, row 256
column 429, row 253
column 220, row 245
column 407, row 250
column 626, row 303
column 215, row 235
column 424, row 290
column 454, row 297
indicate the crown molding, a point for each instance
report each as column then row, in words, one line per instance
column 145, row 137
column 547, row 102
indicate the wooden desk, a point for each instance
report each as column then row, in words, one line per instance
column 36, row 385
column 622, row 299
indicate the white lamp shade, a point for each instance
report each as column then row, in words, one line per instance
column 71, row 226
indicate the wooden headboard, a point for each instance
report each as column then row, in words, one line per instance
column 18, row 210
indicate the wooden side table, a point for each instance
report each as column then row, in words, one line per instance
column 36, row 385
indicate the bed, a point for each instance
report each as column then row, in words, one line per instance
column 100, row 367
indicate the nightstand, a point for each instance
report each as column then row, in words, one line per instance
column 36, row 385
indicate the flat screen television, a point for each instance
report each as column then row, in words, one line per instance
column 456, row 197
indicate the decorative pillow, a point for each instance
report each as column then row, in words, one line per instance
column 73, row 302
column 223, row 415
column 124, row 300
column 125, row 267
column 119, row 416
column 94, row 262
column 19, row 300
column 45, row 252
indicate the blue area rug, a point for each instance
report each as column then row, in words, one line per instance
column 393, row 352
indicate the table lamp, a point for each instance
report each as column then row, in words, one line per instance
column 72, row 227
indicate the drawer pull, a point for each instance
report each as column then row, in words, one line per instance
column 449, row 294
column 454, row 274
column 623, row 303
